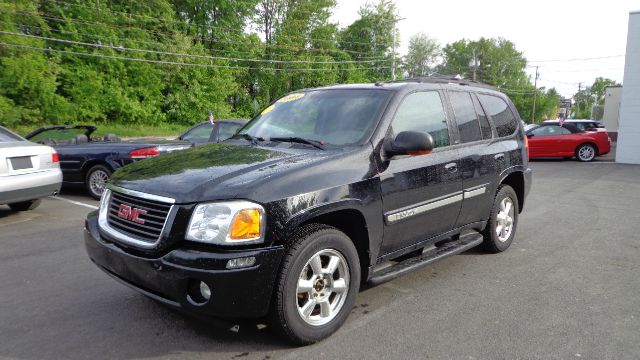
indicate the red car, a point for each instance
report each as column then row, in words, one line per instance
column 552, row 140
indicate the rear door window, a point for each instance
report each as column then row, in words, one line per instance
column 502, row 116
column 423, row 112
column 466, row 117
column 485, row 127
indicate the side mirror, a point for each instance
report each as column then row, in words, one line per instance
column 410, row 143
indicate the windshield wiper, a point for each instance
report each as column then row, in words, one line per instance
column 254, row 140
column 315, row 143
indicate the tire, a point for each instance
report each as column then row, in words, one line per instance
column 96, row 179
column 500, row 231
column 327, row 309
column 586, row 152
column 25, row 205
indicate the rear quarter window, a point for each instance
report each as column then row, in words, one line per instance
column 505, row 122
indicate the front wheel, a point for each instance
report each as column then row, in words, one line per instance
column 25, row 205
column 317, row 285
column 96, row 180
column 503, row 221
column 586, row 152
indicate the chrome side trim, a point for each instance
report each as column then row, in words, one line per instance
column 475, row 191
column 103, row 224
column 143, row 195
column 398, row 215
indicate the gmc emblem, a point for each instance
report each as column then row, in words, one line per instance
column 130, row 213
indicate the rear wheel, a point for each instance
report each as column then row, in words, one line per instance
column 25, row 205
column 317, row 286
column 586, row 152
column 503, row 221
column 96, row 180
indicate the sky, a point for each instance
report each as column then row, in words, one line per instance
column 542, row 30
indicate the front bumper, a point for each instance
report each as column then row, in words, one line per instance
column 29, row 186
column 237, row 293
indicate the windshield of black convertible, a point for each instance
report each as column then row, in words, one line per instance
column 331, row 116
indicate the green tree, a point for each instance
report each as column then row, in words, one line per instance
column 371, row 37
column 422, row 55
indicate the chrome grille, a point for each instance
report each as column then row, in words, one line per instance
column 151, row 216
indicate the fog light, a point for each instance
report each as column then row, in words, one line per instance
column 241, row 262
column 205, row 291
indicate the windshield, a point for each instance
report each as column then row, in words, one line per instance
column 530, row 126
column 8, row 136
column 58, row 136
column 336, row 117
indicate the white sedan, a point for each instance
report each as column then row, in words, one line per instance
column 28, row 171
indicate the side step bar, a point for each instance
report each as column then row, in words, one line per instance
column 464, row 243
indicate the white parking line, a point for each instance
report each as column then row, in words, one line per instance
column 74, row 202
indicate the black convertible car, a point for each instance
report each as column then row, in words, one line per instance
column 89, row 160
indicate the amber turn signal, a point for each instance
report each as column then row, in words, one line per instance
column 246, row 225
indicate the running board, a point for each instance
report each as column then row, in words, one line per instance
column 464, row 243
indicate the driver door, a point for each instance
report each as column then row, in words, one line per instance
column 421, row 195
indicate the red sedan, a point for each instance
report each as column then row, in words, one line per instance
column 552, row 140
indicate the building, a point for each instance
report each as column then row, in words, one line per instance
column 612, row 97
column 628, row 149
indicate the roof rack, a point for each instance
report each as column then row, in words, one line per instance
column 446, row 79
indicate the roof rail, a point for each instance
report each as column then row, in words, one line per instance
column 445, row 79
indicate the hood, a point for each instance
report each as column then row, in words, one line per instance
column 200, row 173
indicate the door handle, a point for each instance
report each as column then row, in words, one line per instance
column 499, row 156
column 453, row 167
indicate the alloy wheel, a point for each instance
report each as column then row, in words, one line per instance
column 322, row 287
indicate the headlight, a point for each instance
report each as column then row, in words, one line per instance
column 104, row 200
column 227, row 223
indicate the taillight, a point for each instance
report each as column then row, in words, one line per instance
column 144, row 153
column 526, row 144
column 55, row 157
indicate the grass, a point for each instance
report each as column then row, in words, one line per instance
column 124, row 130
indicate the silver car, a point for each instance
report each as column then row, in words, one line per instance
column 28, row 171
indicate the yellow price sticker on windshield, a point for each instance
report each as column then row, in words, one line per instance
column 267, row 109
column 291, row 97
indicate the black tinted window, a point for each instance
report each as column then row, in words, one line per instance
column 423, row 112
column 485, row 127
column 199, row 133
column 504, row 120
column 466, row 116
column 227, row 130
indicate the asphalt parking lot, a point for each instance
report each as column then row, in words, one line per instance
column 568, row 288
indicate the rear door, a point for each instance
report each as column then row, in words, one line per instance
column 421, row 194
column 479, row 157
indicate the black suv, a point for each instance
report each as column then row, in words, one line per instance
column 324, row 190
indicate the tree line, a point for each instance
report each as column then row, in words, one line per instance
column 157, row 61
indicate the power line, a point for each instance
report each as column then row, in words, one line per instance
column 202, row 26
column 201, row 37
column 160, row 45
column 179, row 63
column 579, row 59
column 121, row 48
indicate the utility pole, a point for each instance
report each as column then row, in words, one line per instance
column 578, row 100
column 475, row 63
column 535, row 92
column 393, row 46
